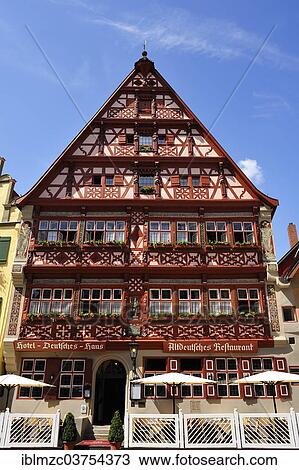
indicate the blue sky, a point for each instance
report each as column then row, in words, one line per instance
column 202, row 48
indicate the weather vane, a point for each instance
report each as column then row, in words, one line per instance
column 144, row 45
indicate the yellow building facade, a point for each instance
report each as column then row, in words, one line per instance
column 10, row 223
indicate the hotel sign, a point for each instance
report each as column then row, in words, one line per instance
column 59, row 346
column 211, row 347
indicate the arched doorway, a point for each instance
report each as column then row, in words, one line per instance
column 110, row 391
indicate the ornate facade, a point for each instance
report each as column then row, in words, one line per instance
column 145, row 229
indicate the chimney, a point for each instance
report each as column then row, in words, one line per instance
column 292, row 232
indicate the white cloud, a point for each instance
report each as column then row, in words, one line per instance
column 268, row 105
column 216, row 38
column 252, row 170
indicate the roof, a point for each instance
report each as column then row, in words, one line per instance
column 144, row 65
column 289, row 263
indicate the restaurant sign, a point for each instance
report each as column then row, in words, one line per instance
column 211, row 347
column 61, row 346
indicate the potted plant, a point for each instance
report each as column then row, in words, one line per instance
column 69, row 432
column 116, row 432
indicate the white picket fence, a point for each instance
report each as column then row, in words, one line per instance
column 29, row 430
column 233, row 430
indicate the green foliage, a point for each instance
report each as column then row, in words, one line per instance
column 147, row 190
column 69, row 429
column 116, row 432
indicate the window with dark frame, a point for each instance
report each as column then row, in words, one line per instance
column 57, row 230
column 220, row 302
column 226, row 372
column 288, row 313
column 160, row 303
column 154, row 366
column 45, row 301
column 33, row 369
column 216, row 232
column 102, row 302
column 71, row 381
column 248, row 301
column 192, row 367
column 243, row 232
column 189, row 302
column 96, row 180
column 262, row 364
column 104, row 231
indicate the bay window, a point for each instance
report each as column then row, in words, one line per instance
column 187, row 232
column 248, row 301
column 46, row 301
column 105, row 231
column 220, row 302
column 243, row 232
column 189, row 302
column 160, row 232
column 55, row 230
column 105, row 302
column 216, row 232
column 160, row 302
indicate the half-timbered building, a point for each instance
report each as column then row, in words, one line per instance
column 145, row 230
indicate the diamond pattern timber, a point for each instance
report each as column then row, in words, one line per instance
column 266, row 429
column 222, row 331
column 122, row 113
column 232, row 258
column 190, row 331
column 209, row 431
column 158, row 331
column 169, row 113
column 154, row 431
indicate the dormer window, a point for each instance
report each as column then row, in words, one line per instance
column 145, row 106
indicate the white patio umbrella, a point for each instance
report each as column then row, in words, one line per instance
column 173, row 379
column 271, row 377
column 10, row 381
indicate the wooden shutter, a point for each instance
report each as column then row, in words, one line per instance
column 122, row 139
column 4, row 248
column 169, row 139
column 205, row 181
column 175, row 180
column 52, row 370
column 118, row 180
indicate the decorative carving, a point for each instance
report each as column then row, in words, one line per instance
column 190, row 331
column 273, row 310
column 158, row 331
column 136, row 285
column 137, row 218
column 112, row 192
column 125, row 150
column 220, row 330
column 15, row 311
column 232, row 258
column 169, row 113
column 172, row 258
column 93, row 192
column 23, row 241
column 122, row 113
column 267, row 240
column 200, row 193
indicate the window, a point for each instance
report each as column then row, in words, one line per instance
column 248, row 301
column 96, row 180
column 4, row 248
column 160, row 232
column 183, row 180
column 195, row 181
column 161, row 139
column 109, row 180
column 130, row 139
column 54, row 230
column 226, row 372
column 145, row 141
column 105, row 302
column 145, row 106
column 243, row 232
column 260, row 365
column 189, row 302
column 45, row 301
column 216, row 232
column 160, row 302
column 288, row 314
column 146, row 181
column 71, row 378
column 220, row 302
column 192, row 367
column 105, row 231
column 153, row 366
column 33, row 369
column 187, row 232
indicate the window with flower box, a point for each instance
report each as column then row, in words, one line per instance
column 243, row 232
column 160, row 232
column 187, row 232
column 160, row 304
column 220, row 302
column 216, row 232
column 55, row 230
column 105, row 231
column 226, row 372
column 100, row 302
column 71, row 381
column 49, row 301
column 33, row 369
column 154, row 366
column 146, row 182
column 189, row 302
column 248, row 302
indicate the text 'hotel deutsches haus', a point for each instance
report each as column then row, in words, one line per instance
column 145, row 231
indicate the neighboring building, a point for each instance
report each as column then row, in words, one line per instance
column 288, row 296
column 10, row 217
column 145, row 229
